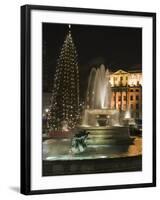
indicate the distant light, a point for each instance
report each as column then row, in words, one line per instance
column 46, row 110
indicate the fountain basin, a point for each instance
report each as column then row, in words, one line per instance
column 107, row 135
column 101, row 117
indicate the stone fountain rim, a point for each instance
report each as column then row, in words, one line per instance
column 101, row 111
column 101, row 127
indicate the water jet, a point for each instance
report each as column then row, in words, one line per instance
column 101, row 121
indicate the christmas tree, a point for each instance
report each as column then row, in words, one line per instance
column 64, row 108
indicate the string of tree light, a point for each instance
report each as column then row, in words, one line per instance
column 64, row 107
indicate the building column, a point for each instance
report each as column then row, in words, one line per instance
column 126, row 99
column 121, row 98
column 115, row 99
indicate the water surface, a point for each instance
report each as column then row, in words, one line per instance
column 60, row 149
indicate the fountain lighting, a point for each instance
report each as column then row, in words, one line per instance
column 103, row 156
column 99, row 89
column 117, row 125
column 104, row 124
column 85, row 125
column 127, row 114
column 98, row 99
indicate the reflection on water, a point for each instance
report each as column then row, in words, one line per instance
column 60, row 149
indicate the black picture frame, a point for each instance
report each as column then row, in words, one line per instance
column 26, row 98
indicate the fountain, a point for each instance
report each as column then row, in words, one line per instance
column 103, row 123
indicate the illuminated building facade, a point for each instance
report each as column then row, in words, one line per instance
column 127, row 92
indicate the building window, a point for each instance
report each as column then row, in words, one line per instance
column 131, row 98
column 119, row 98
column 137, row 90
column 124, row 98
column 131, row 106
column 121, row 78
column 137, row 82
column 131, row 90
column 126, row 78
column 137, row 97
column 137, row 106
column 115, row 78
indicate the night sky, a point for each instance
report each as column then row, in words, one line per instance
column 116, row 47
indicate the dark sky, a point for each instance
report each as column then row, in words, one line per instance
column 116, row 47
